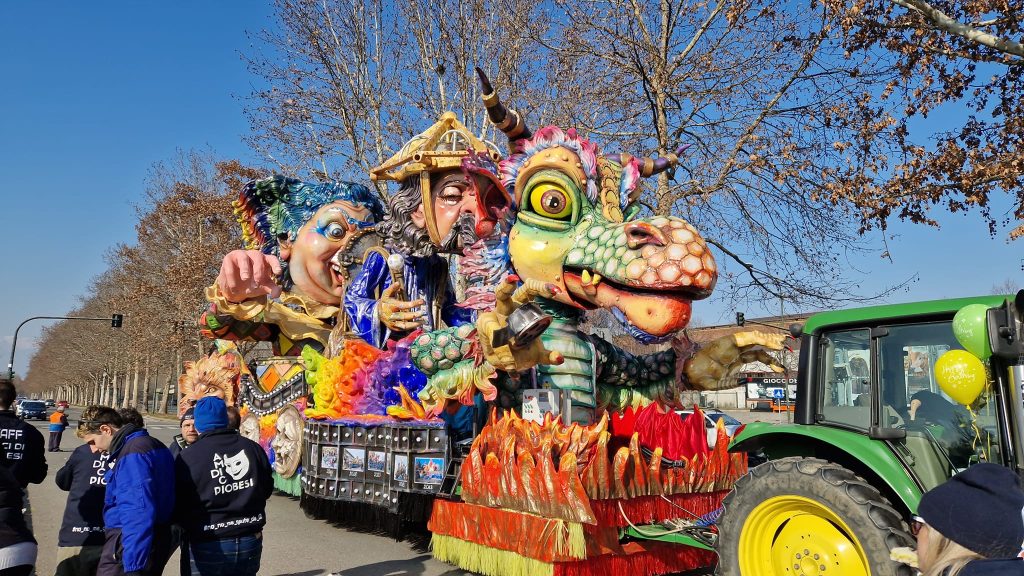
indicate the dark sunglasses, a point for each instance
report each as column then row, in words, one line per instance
column 916, row 523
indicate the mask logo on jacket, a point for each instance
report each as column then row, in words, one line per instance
column 236, row 466
column 228, row 472
column 100, row 465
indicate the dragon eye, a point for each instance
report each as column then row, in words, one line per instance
column 551, row 201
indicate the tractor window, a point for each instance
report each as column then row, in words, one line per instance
column 906, row 362
column 942, row 435
column 846, row 370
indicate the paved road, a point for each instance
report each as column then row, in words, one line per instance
column 746, row 416
column 294, row 545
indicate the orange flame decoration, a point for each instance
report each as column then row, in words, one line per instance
column 512, row 465
column 409, row 410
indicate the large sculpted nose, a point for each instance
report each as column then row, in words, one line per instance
column 640, row 234
column 668, row 253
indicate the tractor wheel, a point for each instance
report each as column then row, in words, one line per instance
column 803, row 517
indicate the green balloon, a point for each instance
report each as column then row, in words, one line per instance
column 970, row 327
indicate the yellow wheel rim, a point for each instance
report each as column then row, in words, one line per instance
column 797, row 536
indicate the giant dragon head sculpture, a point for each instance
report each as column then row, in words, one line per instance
column 577, row 227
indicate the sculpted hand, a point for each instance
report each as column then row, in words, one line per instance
column 400, row 315
column 715, row 366
column 247, row 274
column 507, row 299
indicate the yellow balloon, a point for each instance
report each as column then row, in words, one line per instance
column 960, row 375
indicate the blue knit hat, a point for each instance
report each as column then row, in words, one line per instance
column 211, row 413
column 980, row 509
column 189, row 414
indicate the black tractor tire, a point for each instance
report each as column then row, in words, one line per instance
column 877, row 526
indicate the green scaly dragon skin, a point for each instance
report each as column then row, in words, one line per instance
column 616, row 380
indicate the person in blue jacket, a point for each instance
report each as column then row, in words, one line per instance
column 139, row 500
column 972, row 525
column 80, row 541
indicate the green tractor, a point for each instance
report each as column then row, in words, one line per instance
column 838, row 486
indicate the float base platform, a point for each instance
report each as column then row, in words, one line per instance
column 639, row 559
column 501, row 542
column 407, row 522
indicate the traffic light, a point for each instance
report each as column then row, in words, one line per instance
column 116, row 320
column 740, row 319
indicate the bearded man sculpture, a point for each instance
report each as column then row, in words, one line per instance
column 439, row 209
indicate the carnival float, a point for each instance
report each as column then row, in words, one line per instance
column 429, row 370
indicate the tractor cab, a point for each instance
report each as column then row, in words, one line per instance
column 880, row 381
column 873, row 430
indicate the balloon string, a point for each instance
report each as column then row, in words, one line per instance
column 987, row 393
column 977, row 431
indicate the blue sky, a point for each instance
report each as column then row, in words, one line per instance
column 94, row 93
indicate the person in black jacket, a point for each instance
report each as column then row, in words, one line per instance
column 18, row 548
column 188, row 433
column 22, row 445
column 223, row 482
column 80, row 541
column 972, row 525
column 132, row 416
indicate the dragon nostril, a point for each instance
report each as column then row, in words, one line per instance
column 640, row 234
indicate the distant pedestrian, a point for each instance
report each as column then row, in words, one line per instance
column 188, row 433
column 132, row 416
column 18, row 548
column 80, row 541
column 223, row 482
column 58, row 422
column 139, row 499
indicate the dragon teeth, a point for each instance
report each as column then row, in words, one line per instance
column 589, row 281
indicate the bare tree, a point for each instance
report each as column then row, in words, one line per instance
column 350, row 82
column 745, row 85
column 1007, row 286
column 185, row 227
column 962, row 62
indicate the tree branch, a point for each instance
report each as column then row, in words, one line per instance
column 953, row 26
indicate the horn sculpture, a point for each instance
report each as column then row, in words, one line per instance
column 505, row 119
column 651, row 166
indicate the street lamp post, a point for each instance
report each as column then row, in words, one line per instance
column 115, row 322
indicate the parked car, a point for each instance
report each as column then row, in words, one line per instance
column 33, row 410
column 711, row 418
column 17, row 405
column 51, row 403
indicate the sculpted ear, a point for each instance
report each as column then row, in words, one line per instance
column 284, row 247
column 418, row 218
